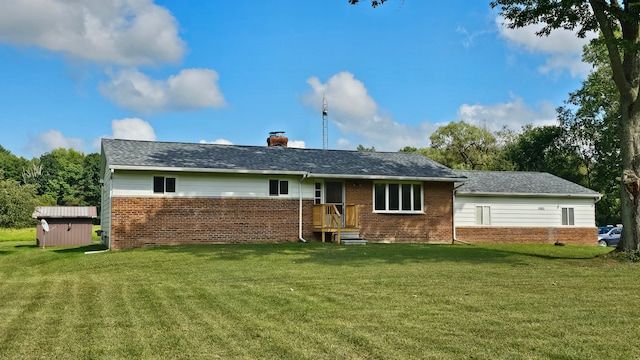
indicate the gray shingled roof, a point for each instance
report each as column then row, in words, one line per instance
column 133, row 154
column 520, row 183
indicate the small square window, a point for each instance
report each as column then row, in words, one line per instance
column 273, row 187
column 158, row 184
column 278, row 187
column 163, row 184
column 170, row 185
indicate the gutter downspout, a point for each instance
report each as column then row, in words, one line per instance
column 111, row 171
column 300, row 238
column 453, row 215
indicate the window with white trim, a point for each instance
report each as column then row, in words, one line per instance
column 162, row 184
column 278, row 187
column 483, row 215
column 397, row 197
column 567, row 216
column 317, row 196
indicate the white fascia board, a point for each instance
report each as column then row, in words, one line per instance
column 594, row 196
column 281, row 172
column 207, row 170
column 384, row 177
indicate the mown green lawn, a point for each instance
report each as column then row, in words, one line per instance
column 318, row 301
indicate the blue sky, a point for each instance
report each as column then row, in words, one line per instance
column 74, row 71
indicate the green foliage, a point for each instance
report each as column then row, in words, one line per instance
column 409, row 149
column 17, row 203
column 60, row 177
column 592, row 120
column 545, row 149
column 11, row 165
column 460, row 145
column 365, row 149
column 374, row 3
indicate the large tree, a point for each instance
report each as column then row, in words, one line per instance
column 619, row 24
column 460, row 145
column 591, row 121
column 545, row 149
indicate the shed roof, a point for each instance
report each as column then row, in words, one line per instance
column 65, row 212
column 521, row 183
column 173, row 156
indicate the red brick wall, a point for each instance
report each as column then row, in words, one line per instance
column 140, row 222
column 527, row 235
column 435, row 226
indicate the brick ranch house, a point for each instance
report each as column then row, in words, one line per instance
column 519, row 207
column 164, row 193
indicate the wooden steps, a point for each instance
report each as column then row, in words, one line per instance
column 351, row 238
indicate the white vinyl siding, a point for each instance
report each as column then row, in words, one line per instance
column 524, row 211
column 131, row 183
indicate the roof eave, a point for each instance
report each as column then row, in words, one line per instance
column 595, row 196
column 206, row 170
column 283, row 172
column 385, row 177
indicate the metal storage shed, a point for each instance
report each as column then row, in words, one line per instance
column 68, row 225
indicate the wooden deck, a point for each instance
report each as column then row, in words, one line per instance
column 327, row 219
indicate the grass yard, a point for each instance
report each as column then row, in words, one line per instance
column 318, row 301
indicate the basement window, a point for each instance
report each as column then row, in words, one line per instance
column 278, row 187
column 397, row 197
column 162, row 184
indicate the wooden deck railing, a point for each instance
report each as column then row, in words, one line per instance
column 327, row 218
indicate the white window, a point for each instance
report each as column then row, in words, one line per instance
column 397, row 197
column 483, row 215
column 278, row 187
column 567, row 216
column 163, row 184
column 317, row 197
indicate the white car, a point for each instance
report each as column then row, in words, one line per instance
column 611, row 237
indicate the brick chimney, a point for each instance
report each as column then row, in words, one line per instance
column 277, row 138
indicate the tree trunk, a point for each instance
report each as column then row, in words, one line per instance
column 630, row 180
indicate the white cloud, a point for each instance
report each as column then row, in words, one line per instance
column 127, row 129
column 345, row 95
column 513, row 115
column 132, row 129
column 563, row 48
column 356, row 113
column 218, row 141
column 123, row 32
column 190, row 89
column 50, row 140
column 300, row 144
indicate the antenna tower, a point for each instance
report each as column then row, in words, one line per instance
column 325, row 123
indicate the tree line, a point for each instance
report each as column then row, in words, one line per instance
column 63, row 177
